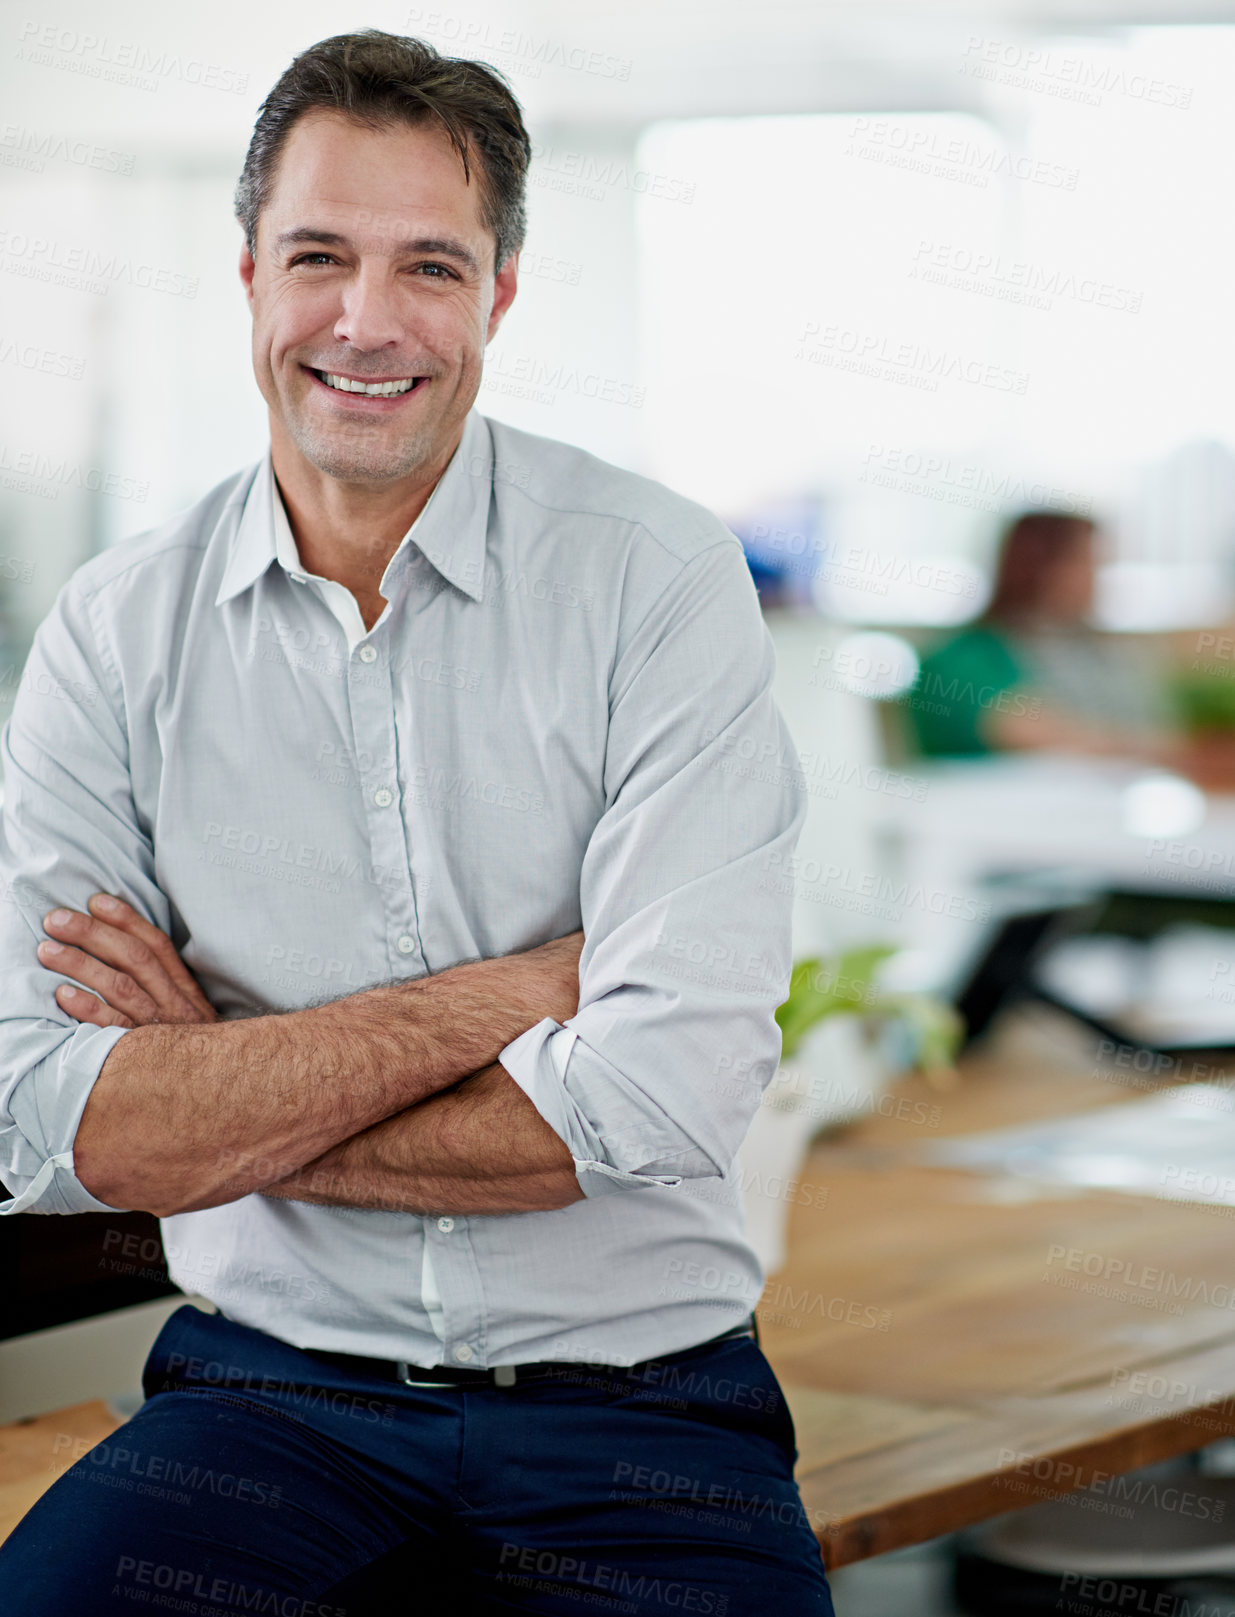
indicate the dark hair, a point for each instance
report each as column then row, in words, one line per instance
column 382, row 79
column 1034, row 544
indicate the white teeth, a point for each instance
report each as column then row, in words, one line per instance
column 373, row 389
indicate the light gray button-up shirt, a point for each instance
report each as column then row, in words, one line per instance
column 562, row 718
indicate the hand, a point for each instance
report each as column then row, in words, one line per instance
column 133, row 968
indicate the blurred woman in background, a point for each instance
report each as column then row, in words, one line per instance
column 1032, row 672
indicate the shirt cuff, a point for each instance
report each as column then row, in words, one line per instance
column 55, row 1188
column 42, row 1156
column 537, row 1061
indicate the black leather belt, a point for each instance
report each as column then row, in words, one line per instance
column 505, row 1375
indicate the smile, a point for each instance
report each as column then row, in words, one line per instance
column 372, row 390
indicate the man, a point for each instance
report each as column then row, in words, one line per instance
column 403, row 881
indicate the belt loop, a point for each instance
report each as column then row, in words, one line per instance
column 504, row 1375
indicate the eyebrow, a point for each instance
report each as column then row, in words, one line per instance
column 444, row 246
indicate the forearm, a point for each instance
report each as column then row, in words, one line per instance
column 479, row 1148
column 184, row 1117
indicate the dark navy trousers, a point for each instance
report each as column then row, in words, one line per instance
column 257, row 1478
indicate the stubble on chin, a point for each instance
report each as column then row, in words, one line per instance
column 360, row 451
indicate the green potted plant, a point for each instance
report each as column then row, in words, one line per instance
column 844, row 1040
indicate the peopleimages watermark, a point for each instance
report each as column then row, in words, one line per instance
column 97, row 56
column 1147, row 1391
column 1211, row 868
column 816, row 772
column 225, row 1595
column 1194, row 1184
column 86, row 269
column 31, row 149
column 925, row 150
column 19, row 570
column 1142, row 1284
column 1066, row 75
column 905, row 364
column 135, row 1471
column 527, row 376
column 1221, row 648
column 32, row 471
column 1136, row 1066
column 855, row 566
column 587, row 174
column 547, row 267
column 1090, row 1594
column 1101, row 1490
column 965, row 483
column 1020, row 281
column 301, row 1395
column 278, row 858
column 47, row 361
column 867, row 892
column 782, row 1305
column 934, row 694
column 531, row 1568
column 522, row 53
column 814, row 1094
column 39, row 682
column 240, row 1277
column 695, row 1498
column 1225, row 993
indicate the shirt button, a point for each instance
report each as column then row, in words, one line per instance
column 445, row 1225
column 463, row 1353
column 383, row 797
column 368, row 654
column 406, row 944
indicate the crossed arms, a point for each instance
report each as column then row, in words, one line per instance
column 354, row 1103
column 391, row 1097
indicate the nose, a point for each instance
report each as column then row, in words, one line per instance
column 370, row 317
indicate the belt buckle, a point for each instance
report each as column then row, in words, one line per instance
column 402, row 1366
column 504, row 1375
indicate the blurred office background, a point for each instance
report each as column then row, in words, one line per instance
column 868, row 280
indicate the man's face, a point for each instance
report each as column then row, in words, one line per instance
column 372, row 267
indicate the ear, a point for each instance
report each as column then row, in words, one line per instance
column 505, row 285
column 247, row 267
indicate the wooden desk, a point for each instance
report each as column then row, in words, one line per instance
column 943, row 1362
column 916, row 1429
column 33, row 1453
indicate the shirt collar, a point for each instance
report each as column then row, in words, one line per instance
column 451, row 532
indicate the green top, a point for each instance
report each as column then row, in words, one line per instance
column 961, row 680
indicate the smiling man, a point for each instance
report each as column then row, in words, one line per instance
column 388, row 913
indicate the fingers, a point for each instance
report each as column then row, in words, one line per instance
column 145, row 969
column 118, row 991
column 116, row 913
column 87, row 1008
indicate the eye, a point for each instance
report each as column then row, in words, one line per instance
column 443, row 271
column 305, row 258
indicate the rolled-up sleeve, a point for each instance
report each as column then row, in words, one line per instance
column 68, row 829
column 687, row 923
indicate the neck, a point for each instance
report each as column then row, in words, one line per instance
column 349, row 531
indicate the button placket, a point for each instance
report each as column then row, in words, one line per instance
column 371, row 697
column 464, row 1321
